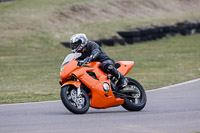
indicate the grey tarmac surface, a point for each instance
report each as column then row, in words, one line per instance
column 174, row 109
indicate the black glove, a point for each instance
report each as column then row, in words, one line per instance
column 87, row 60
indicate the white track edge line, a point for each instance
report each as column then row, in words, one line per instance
column 29, row 103
column 175, row 85
column 163, row 88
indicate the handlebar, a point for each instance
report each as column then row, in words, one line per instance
column 81, row 63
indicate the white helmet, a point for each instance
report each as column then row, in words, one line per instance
column 78, row 42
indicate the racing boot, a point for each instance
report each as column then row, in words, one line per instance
column 122, row 81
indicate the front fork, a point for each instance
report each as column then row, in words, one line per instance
column 78, row 91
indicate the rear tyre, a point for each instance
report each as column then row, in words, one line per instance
column 75, row 104
column 136, row 101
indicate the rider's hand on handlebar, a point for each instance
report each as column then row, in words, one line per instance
column 87, row 60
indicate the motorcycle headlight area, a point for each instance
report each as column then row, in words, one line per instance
column 106, row 87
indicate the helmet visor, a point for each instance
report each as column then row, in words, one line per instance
column 75, row 45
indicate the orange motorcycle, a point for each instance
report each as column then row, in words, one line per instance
column 86, row 85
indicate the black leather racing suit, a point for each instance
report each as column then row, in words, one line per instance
column 95, row 50
column 107, row 64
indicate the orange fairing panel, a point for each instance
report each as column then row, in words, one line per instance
column 100, row 100
column 75, row 83
column 67, row 69
column 84, row 77
column 125, row 66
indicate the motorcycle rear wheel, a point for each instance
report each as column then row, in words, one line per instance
column 75, row 104
column 135, row 102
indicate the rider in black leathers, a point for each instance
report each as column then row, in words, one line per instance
column 91, row 51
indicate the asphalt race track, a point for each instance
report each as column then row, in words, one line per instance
column 173, row 109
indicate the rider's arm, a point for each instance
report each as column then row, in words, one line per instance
column 95, row 51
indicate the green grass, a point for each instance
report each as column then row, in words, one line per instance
column 30, row 32
column 26, row 78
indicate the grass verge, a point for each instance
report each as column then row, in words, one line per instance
column 26, row 78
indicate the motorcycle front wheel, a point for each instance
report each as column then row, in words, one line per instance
column 134, row 101
column 74, row 103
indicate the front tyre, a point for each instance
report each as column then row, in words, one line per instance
column 74, row 103
column 135, row 101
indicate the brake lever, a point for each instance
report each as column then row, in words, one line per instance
column 81, row 63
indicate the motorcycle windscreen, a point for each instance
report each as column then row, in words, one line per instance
column 69, row 57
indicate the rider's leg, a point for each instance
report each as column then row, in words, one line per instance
column 108, row 66
column 122, row 81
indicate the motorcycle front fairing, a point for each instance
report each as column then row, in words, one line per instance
column 66, row 70
column 69, row 65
